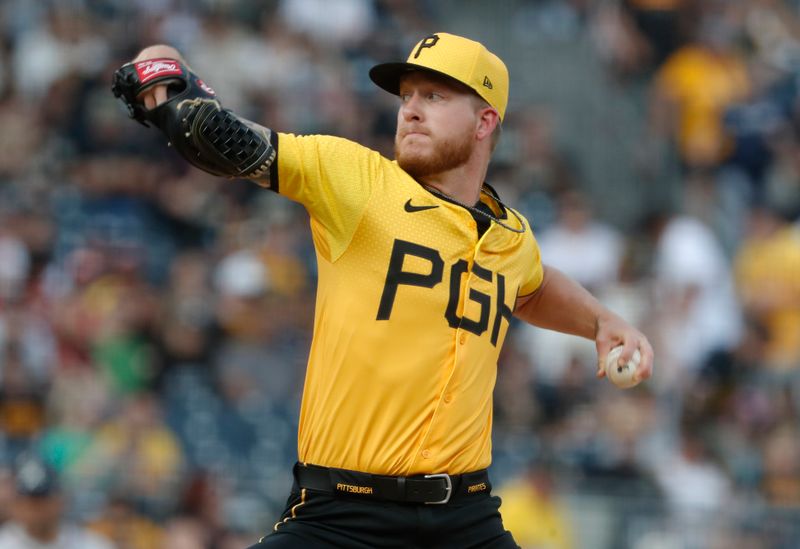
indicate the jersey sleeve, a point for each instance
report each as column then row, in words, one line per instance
column 333, row 178
column 533, row 273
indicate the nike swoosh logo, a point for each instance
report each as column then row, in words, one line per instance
column 410, row 208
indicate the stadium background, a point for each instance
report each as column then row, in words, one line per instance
column 154, row 321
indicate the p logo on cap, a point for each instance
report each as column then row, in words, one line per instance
column 456, row 57
column 427, row 42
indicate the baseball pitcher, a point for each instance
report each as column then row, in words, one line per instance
column 421, row 268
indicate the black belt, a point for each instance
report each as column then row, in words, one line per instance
column 432, row 489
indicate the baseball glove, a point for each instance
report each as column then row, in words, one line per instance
column 211, row 138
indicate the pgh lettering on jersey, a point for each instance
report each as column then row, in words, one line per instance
column 412, row 309
column 395, row 276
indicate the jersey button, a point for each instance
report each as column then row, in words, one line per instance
column 462, row 339
column 448, row 398
column 426, row 454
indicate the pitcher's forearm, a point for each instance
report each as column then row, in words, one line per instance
column 563, row 305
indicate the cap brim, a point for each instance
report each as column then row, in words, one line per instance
column 387, row 75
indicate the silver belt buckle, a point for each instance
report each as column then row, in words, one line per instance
column 448, row 486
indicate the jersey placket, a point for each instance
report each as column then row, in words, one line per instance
column 461, row 340
column 470, row 311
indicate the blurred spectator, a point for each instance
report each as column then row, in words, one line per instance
column 77, row 401
column 236, row 62
column 620, row 41
column 127, row 529
column 771, row 28
column 7, row 491
column 590, row 252
column 782, row 466
column 38, row 515
column 738, row 408
column 696, row 487
column 242, row 280
column 515, row 409
column 542, row 169
column 767, row 268
column 781, row 186
column 696, row 308
column 660, row 23
column 67, row 43
column 27, row 341
column 532, row 510
column 15, row 265
column 22, row 402
column 207, row 500
column 201, row 499
column 134, row 453
column 22, row 136
column 119, row 309
column 694, row 87
column 352, row 23
column 185, row 533
column 187, row 319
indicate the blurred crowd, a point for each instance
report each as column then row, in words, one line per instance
column 154, row 320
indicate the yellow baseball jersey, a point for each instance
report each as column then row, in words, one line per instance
column 412, row 309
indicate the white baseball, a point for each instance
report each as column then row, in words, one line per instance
column 622, row 376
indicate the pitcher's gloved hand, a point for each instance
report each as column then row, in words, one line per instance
column 211, row 138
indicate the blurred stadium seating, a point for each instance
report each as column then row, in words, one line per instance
column 154, row 321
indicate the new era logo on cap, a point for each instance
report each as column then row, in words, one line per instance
column 456, row 57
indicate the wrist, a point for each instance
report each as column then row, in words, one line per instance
column 603, row 318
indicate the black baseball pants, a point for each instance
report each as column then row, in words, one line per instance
column 316, row 520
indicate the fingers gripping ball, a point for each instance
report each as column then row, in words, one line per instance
column 623, row 376
column 210, row 137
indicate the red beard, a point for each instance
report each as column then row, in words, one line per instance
column 440, row 157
